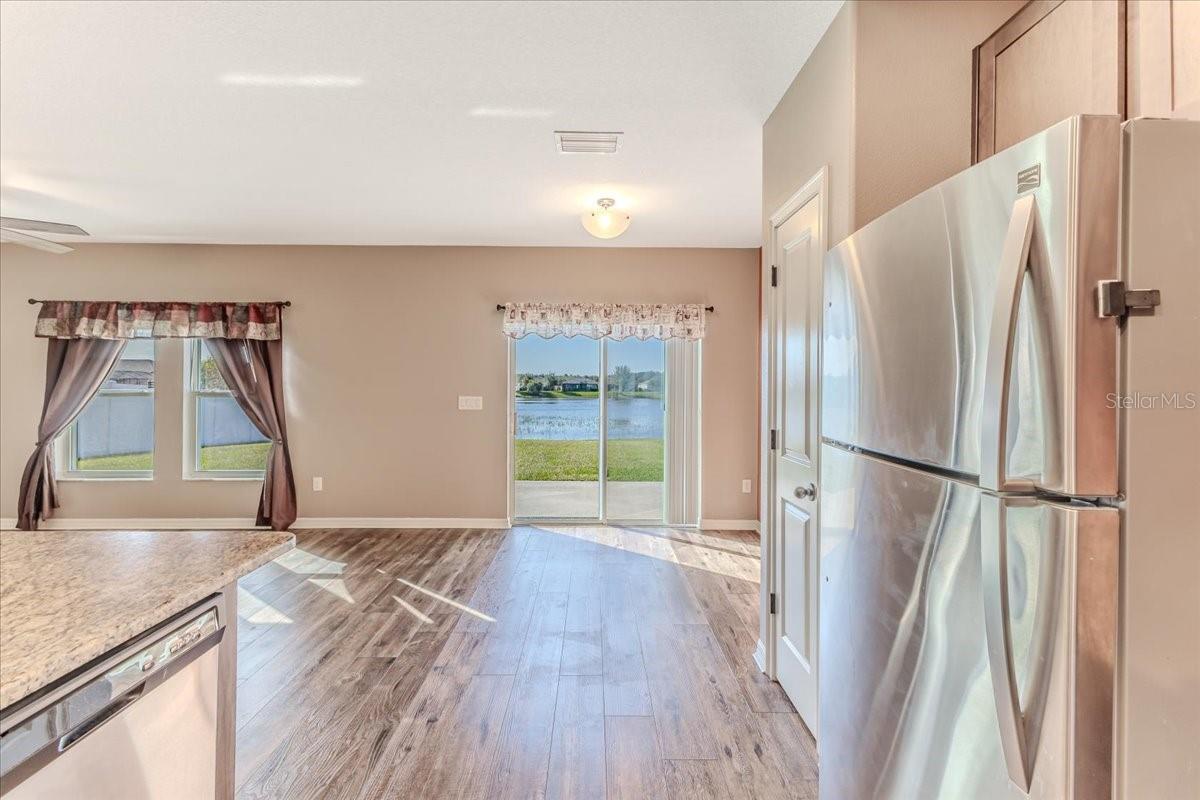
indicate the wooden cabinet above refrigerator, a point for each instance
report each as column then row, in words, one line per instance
column 1053, row 59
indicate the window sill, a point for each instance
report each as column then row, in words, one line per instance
column 74, row 477
column 256, row 478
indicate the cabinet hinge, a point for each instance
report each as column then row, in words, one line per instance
column 772, row 602
column 774, row 275
column 774, row 438
column 1114, row 300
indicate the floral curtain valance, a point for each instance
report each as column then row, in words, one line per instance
column 74, row 319
column 601, row 320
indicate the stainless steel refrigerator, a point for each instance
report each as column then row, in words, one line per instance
column 972, row 477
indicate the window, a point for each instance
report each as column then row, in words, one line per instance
column 220, row 441
column 114, row 436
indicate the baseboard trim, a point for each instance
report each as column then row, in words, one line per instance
column 235, row 523
column 139, row 523
column 401, row 522
column 729, row 524
column 760, row 656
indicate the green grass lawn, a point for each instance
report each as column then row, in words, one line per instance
column 123, row 461
column 579, row 459
column 235, row 456
column 228, row 456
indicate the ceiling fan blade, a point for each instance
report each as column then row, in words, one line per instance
column 40, row 225
column 36, row 242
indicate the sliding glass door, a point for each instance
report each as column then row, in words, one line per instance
column 584, row 448
column 556, row 431
column 635, row 457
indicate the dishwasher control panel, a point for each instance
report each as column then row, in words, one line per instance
column 134, row 669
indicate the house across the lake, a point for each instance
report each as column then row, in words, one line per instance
column 578, row 385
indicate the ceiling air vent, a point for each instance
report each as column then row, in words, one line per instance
column 587, row 141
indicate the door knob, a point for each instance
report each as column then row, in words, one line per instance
column 807, row 494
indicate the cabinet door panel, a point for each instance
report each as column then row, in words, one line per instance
column 1052, row 60
column 1185, row 49
column 1164, row 58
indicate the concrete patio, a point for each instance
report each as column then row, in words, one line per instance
column 633, row 500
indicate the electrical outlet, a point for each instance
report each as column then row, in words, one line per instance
column 318, row 484
column 470, row 403
column 747, row 486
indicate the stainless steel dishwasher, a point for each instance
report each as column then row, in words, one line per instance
column 141, row 722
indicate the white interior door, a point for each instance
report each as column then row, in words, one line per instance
column 797, row 251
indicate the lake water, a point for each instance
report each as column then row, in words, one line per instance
column 579, row 418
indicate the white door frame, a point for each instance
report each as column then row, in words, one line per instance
column 510, row 427
column 815, row 187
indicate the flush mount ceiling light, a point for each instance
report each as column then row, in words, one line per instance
column 604, row 222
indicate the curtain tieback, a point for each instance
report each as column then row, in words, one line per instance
column 278, row 441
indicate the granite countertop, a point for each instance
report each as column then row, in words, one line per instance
column 67, row 597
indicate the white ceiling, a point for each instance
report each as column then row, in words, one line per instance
column 429, row 123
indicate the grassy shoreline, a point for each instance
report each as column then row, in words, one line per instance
column 536, row 459
column 579, row 459
column 612, row 395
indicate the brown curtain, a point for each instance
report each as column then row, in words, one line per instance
column 253, row 370
column 75, row 370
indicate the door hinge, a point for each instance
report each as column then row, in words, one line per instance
column 1114, row 300
column 774, row 275
column 774, row 438
column 772, row 602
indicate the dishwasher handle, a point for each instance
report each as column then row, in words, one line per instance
column 111, row 710
column 119, row 704
column 29, row 746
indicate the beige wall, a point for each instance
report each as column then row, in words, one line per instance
column 380, row 342
column 884, row 101
column 813, row 127
column 912, row 95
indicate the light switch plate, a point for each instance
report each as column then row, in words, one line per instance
column 747, row 486
column 318, row 484
column 470, row 403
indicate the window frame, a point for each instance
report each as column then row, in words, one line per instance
column 192, row 395
column 66, row 446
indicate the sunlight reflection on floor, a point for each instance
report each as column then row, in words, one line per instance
column 447, row 600
column 253, row 610
column 706, row 550
column 409, row 607
column 335, row 586
column 303, row 562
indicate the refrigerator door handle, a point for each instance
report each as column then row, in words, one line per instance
column 994, row 551
column 1014, row 260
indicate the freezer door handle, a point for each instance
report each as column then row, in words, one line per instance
column 1014, row 259
column 994, row 550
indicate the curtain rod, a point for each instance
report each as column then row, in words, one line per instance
column 284, row 303
column 501, row 307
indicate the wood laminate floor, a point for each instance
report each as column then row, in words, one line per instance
column 587, row 662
